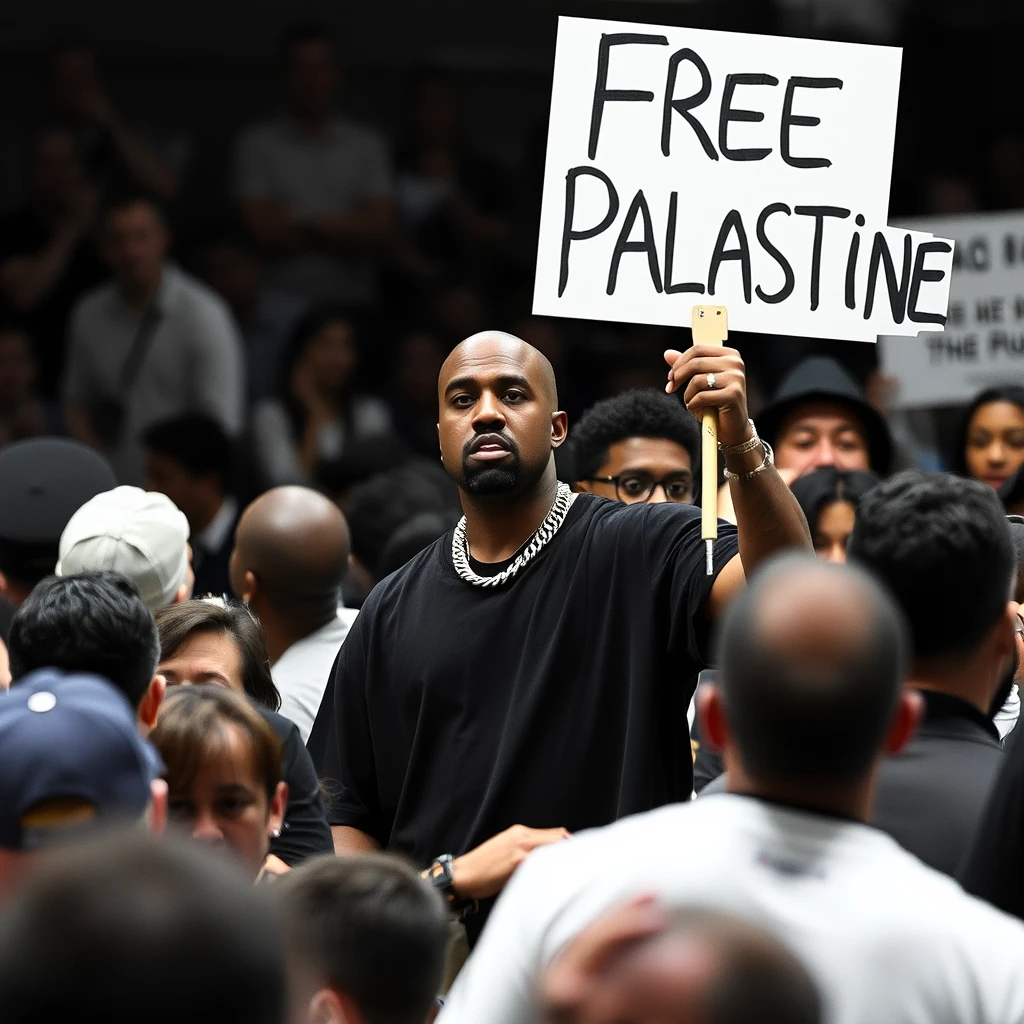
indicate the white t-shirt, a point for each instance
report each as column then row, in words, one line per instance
column 889, row 940
column 302, row 672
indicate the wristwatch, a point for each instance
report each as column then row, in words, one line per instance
column 441, row 876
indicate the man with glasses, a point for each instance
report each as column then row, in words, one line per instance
column 638, row 446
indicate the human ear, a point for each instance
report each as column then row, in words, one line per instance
column 904, row 724
column 149, row 706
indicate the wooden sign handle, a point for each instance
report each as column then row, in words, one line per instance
column 710, row 326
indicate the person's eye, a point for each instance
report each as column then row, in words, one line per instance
column 679, row 490
column 232, row 805
column 632, row 485
column 514, row 397
column 462, row 401
column 1015, row 440
column 803, row 443
column 978, row 441
column 850, row 444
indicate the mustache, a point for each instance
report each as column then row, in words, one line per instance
column 490, row 437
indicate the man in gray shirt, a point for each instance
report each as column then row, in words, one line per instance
column 315, row 189
column 150, row 344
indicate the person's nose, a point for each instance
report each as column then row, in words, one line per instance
column 837, row 553
column 488, row 412
column 205, row 829
column 659, row 495
column 826, row 454
column 995, row 453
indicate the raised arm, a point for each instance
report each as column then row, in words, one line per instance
column 768, row 518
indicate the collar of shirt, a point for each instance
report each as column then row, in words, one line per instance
column 216, row 532
column 940, row 707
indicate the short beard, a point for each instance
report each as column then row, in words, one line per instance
column 491, row 480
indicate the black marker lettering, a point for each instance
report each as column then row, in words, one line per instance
column 851, row 267
column 789, row 119
column 602, row 94
column 921, row 275
column 897, row 290
column 568, row 234
column 733, row 221
column 819, row 213
column 638, row 206
column 684, row 106
column 670, row 244
column 787, row 287
column 730, row 114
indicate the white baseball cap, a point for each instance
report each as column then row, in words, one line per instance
column 141, row 534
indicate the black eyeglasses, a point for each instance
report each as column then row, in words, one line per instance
column 636, row 486
column 1013, row 518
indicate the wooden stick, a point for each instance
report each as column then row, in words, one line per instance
column 710, row 326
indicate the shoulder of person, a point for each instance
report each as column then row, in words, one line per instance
column 199, row 297
column 98, row 303
column 357, row 133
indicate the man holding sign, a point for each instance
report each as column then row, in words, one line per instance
column 530, row 667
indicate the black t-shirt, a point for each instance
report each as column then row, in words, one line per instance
column 25, row 233
column 305, row 832
column 556, row 699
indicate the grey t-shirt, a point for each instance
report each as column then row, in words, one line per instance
column 335, row 173
column 194, row 361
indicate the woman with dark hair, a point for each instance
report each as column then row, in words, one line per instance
column 990, row 446
column 222, row 764
column 829, row 499
column 208, row 641
column 317, row 411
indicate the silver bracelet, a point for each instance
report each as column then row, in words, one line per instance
column 768, row 460
column 741, row 449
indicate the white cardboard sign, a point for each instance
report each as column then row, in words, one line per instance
column 687, row 166
column 983, row 343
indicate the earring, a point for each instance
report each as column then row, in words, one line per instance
column 276, row 833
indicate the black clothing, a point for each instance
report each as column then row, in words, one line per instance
column 930, row 797
column 556, row 699
column 211, row 566
column 305, row 832
column 992, row 866
column 820, row 378
column 25, row 233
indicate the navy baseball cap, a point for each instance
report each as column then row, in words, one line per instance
column 69, row 741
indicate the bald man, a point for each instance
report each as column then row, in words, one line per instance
column 289, row 561
column 530, row 667
column 809, row 699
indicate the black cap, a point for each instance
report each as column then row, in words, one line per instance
column 43, row 483
column 821, row 379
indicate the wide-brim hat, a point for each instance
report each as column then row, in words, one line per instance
column 821, row 379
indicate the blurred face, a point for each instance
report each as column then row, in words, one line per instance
column 56, row 171
column 496, row 424
column 639, row 463
column 225, row 804
column 168, row 477
column 17, row 368
column 833, row 529
column 416, row 369
column 330, row 357
column 205, row 658
column 232, row 272
column 311, row 78
column 822, row 434
column 73, row 77
column 135, row 244
column 995, row 442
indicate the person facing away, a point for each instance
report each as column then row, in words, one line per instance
column 641, row 445
column 151, row 343
column 942, row 546
column 314, row 188
column 365, row 939
column 74, row 764
column 809, row 697
column 189, row 459
column 288, row 565
column 640, row 964
column 130, row 929
column 484, row 685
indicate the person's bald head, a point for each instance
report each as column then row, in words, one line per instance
column 812, row 656
column 497, row 385
column 291, row 551
column 700, row 967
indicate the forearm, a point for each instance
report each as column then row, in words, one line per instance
column 768, row 517
column 27, row 279
column 349, row 841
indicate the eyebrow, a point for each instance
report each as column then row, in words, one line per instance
column 235, row 788
column 504, row 380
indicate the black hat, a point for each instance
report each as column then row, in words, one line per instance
column 820, row 378
column 43, row 482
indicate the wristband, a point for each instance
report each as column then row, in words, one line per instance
column 768, row 460
column 741, row 449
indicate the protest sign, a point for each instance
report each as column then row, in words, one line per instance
column 983, row 342
column 687, row 166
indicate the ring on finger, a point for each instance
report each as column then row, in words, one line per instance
column 712, row 384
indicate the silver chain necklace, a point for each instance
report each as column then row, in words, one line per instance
column 547, row 529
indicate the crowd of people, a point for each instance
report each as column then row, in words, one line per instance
column 363, row 664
